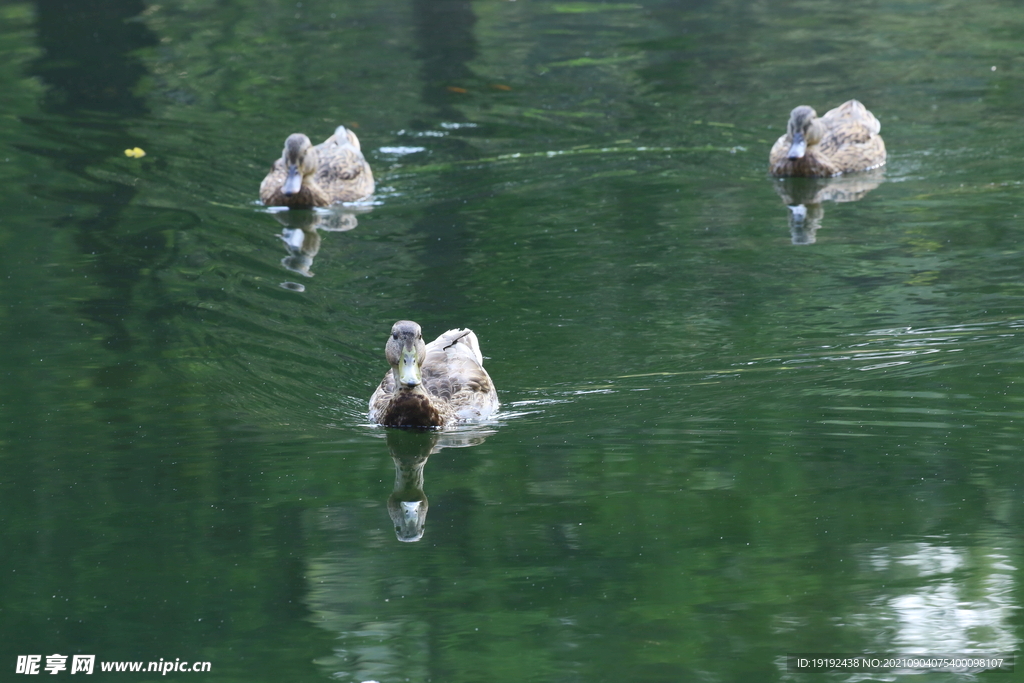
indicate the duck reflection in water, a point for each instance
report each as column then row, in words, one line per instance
column 301, row 234
column 804, row 198
column 410, row 449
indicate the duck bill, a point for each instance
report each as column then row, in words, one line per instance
column 293, row 182
column 798, row 148
column 408, row 369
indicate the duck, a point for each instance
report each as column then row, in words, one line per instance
column 435, row 385
column 306, row 176
column 845, row 139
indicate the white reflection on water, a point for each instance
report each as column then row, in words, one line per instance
column 940, row 598
column 400, row 151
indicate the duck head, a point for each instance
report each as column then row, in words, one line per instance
column 300, row 162
column 804, row 130
column 406, row 352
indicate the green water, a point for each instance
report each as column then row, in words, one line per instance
column 725, row 435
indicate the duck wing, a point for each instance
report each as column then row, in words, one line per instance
column 344, row 174
column 851, row 122
column 853, row 142
column 453, row 372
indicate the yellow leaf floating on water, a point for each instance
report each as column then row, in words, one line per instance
column 135, row 153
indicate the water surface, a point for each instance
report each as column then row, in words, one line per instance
column 730, row 430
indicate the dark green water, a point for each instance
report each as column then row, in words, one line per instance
column 716, row 446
